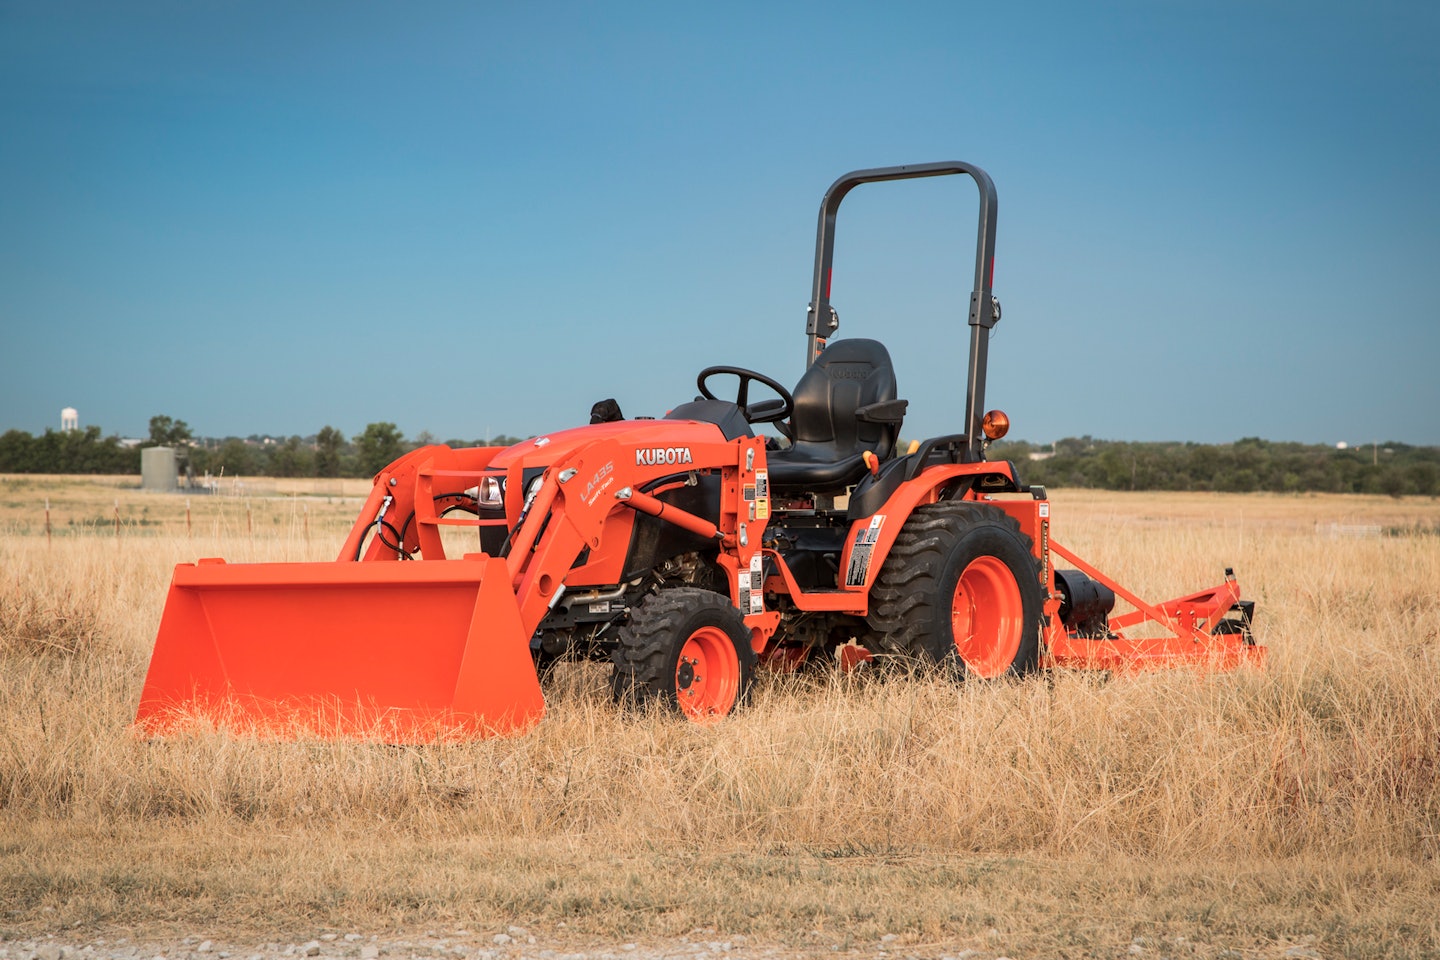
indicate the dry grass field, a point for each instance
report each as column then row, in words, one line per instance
column 1247, row 815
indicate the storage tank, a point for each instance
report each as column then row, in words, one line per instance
column 158, row 472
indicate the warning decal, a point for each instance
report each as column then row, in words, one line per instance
column 861, row 551
column 757, row 583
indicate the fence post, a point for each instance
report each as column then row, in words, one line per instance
column 47, row 522
column 117, row 519
column 187, row 517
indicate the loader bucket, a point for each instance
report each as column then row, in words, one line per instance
column 392, row 652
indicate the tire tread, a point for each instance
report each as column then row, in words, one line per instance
column 644, row 649
column 905, row 596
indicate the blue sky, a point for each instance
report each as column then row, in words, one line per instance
column 1216, row 220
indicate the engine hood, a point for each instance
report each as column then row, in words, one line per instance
column 647, row 435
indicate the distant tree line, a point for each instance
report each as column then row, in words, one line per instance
column 1241, row 467
column 1246, row 465
column 327, row 453
column 72, row 451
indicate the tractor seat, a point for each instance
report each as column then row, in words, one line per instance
column 844, row 405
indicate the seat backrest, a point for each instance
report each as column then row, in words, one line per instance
column 848, row 375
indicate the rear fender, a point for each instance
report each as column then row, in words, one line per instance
column 870, row 538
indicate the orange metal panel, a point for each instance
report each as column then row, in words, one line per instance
column 1218, row 653
column 394, row 652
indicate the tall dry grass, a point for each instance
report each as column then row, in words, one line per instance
column 1321, row 774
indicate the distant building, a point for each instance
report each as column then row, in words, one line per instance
column 69, row 420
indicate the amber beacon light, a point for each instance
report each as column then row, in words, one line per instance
column 996, row 424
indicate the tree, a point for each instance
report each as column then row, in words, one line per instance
column 17, row 452
column 327, row 452
column 290, row 459
column 71, row 451
column 165, row 432
column 378, row 445
column 234, row 458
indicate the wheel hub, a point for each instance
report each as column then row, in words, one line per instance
column 707, row 674
column 987, row 616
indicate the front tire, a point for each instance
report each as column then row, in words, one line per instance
column 686, row 649
column 960, row 590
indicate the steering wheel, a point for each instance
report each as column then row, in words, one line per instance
column 766, row 411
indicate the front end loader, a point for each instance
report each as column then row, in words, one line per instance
column 684, row 551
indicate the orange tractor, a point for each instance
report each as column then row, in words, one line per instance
column 685, row 550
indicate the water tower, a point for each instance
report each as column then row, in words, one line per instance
column 69, row 420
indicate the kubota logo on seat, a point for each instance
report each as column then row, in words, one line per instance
column 654, row 456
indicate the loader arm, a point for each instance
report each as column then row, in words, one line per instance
column 440, row 647
column 579, row 493
column 404, row 512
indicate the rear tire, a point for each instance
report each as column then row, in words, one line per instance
column 960, row 590
column 686, row 649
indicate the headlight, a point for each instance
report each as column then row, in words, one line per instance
column 491, row 493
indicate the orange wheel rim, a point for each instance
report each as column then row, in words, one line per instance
column 707, row 676
column 987, row 617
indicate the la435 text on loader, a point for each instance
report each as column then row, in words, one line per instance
column 684, row 550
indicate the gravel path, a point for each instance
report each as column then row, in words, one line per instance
column 514, row 943
column 517, row 943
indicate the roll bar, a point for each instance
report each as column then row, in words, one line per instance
column 984, row 310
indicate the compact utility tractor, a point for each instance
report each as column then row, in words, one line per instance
column 685, row 551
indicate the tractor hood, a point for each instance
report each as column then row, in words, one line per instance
column 656, row 442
